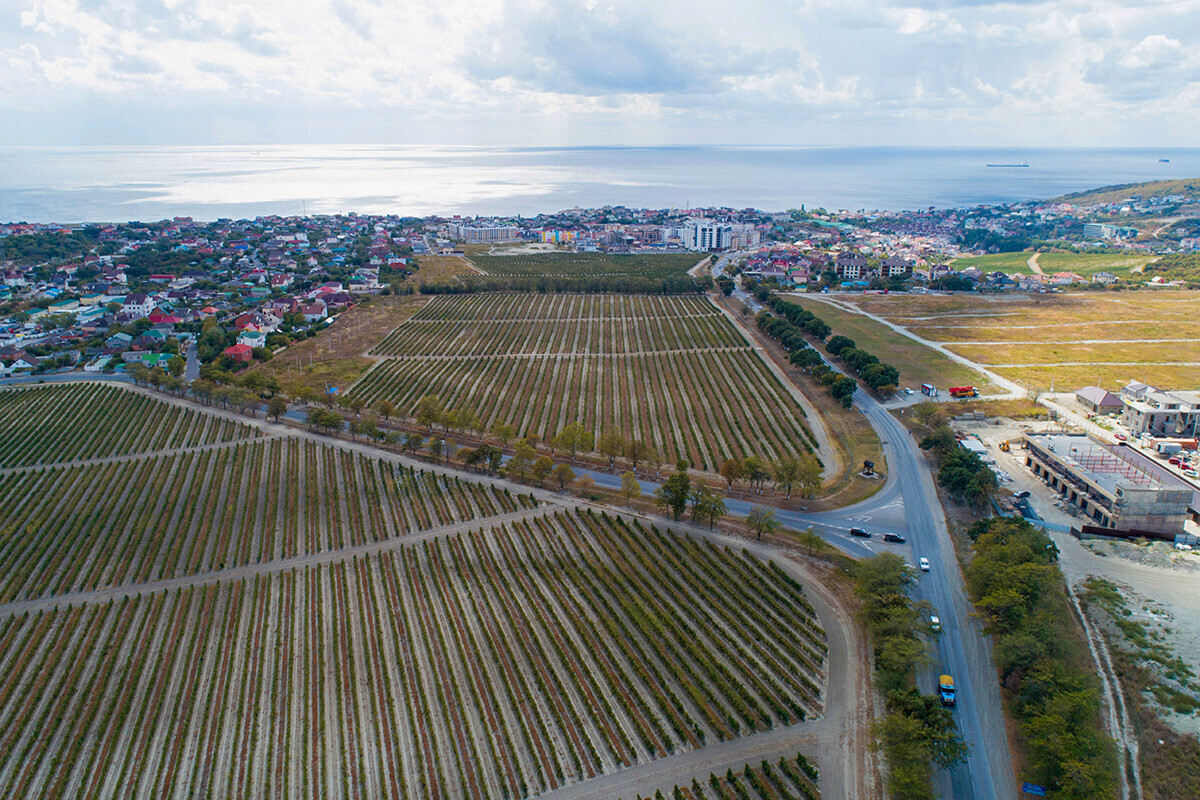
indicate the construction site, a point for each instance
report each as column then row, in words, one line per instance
column 1113, row 485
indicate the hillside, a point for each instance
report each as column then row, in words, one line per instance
column 1189, row 187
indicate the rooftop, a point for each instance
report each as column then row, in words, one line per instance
column 1108, row 466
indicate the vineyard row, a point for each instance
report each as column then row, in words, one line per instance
column 65, row 530
column 551, row 308
column 76, row 421
column 495, row 664
column 704, row 406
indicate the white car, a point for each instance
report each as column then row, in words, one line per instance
column 935, row 623
column 924, row 565
column 908, row 391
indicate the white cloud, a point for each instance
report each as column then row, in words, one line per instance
column 606, row 70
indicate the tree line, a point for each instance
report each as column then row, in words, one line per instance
column 552, row 284
column 1049, row 688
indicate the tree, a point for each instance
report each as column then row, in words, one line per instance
column 761, row 520
column 707, row 505
column 277, row 407
column 843, row 388
column 573, row 438
column 468, row 420
column 811, row 540
column 630, row 488
column 563, row 476
column 673, row 495
column 837, row 344
column 522, row 460
column 412, row 442
column 384, row 408
column 809, row 477
column 542, row 469
column 611, row 445
column 787, row 472
column 731, row 471
column 429, row 410
column 503, row 432
column 435, row 447
column 636, row 451
column 176, row 365
column 755, row 471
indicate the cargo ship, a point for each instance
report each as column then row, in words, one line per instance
column 1008, row 165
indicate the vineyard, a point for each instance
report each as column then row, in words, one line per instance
column 667, row 370
column 87, row 527
column 787, row 778
column 499, row 663
column 571, row 265
column 66, row 422
column 473, row 325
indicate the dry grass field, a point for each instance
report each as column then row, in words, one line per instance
column 916, row 362
column 1068, row 339
column 337, row 355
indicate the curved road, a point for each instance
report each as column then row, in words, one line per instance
column 909, row 504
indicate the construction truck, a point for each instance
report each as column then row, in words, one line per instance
column 946, row 689
column 964, row 391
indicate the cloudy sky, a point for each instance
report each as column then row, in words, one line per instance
column 563, row 72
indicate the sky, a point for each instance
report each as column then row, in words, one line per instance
column 565, row 72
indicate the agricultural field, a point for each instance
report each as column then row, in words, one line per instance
column 1067, row 340
column 574, row 265
column 996, row 262
column 1085, row 264
column 56, row 423
column 671, row 371
column 500, row 662
column 89, row 527
column 475, row 325
column 1088, row 264
column 787, row 778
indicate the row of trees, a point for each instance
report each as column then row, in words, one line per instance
column 841, row 387
column 883, row 378
column 960, row 472
column 585, row 284
column 790, row 473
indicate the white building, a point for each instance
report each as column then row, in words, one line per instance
column 707, row 234
column 1159, row 413
column 481, row 232
column 1097, row 230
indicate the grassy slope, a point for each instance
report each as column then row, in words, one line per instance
column 997, row 262
column 1118, row 192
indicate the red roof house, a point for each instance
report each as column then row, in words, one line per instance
column 239, row 352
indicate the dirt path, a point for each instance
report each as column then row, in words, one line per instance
column 1032, row 263
column 816, row 422
column 698, row 270
column 87, row 462
column 1119, row 723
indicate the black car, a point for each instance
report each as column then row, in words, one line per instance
column 893, row 537
column 860, row 532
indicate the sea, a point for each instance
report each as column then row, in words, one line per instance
column 118, row 184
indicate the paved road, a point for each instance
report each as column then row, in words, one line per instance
column 909, row 504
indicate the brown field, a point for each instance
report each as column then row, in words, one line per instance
column 438, row 270
column 334, row 357
column 1062, row 340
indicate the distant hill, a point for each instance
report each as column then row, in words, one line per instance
column 1189, row 187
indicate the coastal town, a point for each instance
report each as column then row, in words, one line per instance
column 98, row 297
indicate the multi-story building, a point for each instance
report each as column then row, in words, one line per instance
column 1098, row 230
column 1113, row 485
column 481, row 232
column 707, row 234
column 1159, row 413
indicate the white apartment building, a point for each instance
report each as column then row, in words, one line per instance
column 1159, row 413
column 480, row 232
column 707, row 234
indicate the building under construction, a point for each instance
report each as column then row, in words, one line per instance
column 1110, row 484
